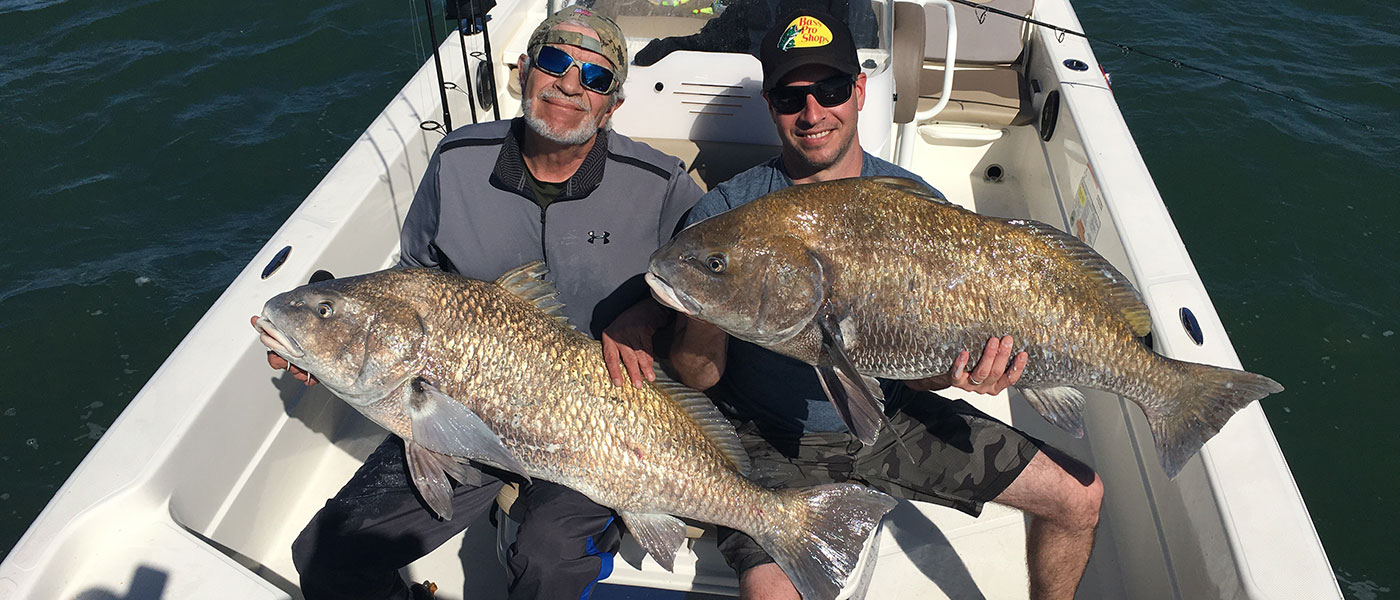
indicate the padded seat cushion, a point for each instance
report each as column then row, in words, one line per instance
column 996, row 97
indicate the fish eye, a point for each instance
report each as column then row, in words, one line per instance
column 325, row 309
column 716, row 263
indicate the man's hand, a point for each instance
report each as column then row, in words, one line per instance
column 989, row 376
column 277, row 362
column 627, row 342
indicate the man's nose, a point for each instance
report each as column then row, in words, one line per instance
column 571, row 82
column 812, row 111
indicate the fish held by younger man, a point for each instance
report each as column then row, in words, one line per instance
column 875, row 277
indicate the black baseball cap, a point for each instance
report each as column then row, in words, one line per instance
column 806, row 37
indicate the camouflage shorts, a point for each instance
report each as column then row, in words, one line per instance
column 962, row 458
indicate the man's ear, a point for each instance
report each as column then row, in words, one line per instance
column 608, row 117
column 521, row 71
column 860, row 91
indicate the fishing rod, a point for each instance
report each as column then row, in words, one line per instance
column 490, row 66
column 471, row 17
column 442, row 85
column 1126, row 49
column 471, row 20
column 466, row 67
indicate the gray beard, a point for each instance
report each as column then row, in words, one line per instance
column 569, row 137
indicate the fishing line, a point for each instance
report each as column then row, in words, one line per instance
column 420, row 57
column 417, row 35
column 1126, row 49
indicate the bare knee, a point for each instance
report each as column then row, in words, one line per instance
column 1077, row 489
column 1057, row 490
column 1083, row 503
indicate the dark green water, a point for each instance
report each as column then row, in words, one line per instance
column 147, row 151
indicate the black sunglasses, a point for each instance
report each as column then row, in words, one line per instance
column 833, row 91
column 556, row 62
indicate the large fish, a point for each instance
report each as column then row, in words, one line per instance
column 876, row 277
column 466, row 369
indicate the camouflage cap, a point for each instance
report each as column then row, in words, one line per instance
column 610, row 43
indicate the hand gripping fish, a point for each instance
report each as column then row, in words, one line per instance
column 490, row 372
column 877, row 277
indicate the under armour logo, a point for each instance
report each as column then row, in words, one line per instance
column 592, row 236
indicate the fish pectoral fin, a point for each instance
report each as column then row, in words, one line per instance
column 429, row 471
column 1062, row 405
column 857, row 398
column 660, row 534
column 444, row 425
column 848, row 398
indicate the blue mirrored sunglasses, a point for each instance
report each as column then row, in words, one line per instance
column 556, row 62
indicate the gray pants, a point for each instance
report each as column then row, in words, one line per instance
column 962, row 457
column 355, row 545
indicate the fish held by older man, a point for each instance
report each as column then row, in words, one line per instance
column 467, row 370
column 877, row 277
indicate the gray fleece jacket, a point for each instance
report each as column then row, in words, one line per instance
column 475, row 214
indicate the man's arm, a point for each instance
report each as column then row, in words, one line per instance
column 681, row 197
column 420, row 227
column 698, row 352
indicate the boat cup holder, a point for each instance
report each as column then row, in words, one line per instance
column 994, row 173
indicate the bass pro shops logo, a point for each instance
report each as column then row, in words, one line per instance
column 804, row 32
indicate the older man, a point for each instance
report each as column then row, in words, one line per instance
column 815, row 88
column 554, row 185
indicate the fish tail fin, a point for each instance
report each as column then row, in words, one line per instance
column 1183, row 420
column 821, row 544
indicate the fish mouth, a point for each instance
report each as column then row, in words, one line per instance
column 671, row 297
column 277, row 341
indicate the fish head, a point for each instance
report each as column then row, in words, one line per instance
column 759, row 284
column 354, row 335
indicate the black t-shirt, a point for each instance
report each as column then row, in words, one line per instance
column 544, row 191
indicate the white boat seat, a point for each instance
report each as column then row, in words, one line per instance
column 988, row 87
column 996, row 97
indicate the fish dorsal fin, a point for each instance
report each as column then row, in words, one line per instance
column 528, row 281
column 1122, row 296
column 711, row 421
column 908, row 186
